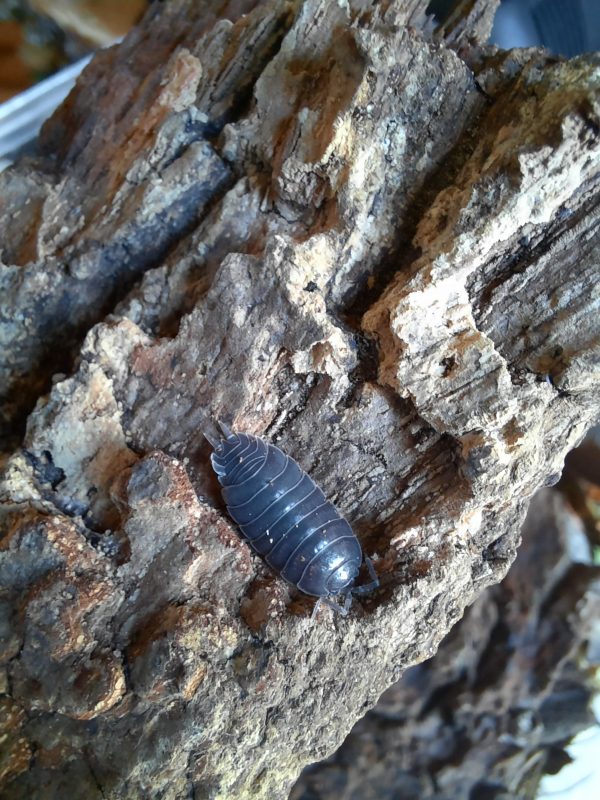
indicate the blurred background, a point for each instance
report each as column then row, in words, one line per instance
column 38, row 37
column 508, row 707
column 44, row 45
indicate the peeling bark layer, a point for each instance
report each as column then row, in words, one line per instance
column 324, row 225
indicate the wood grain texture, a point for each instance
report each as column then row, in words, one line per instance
column 321, row 223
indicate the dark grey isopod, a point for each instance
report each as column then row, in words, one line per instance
column 286, row 518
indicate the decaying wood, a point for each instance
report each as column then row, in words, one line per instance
column 492, row 711
column 321, row 223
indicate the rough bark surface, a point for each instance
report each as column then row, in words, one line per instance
column 321, row 223
column 492, row 711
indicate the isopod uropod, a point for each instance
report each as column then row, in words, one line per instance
column 286, row 518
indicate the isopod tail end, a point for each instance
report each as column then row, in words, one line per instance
column 227, row 433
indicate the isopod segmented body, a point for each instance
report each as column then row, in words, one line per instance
column 286, row 518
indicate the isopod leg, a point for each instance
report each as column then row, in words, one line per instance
column 372, row 573
column 315, row 611
column 343, row 610
column 325, row 601
column 369, row 587
column 347, row 604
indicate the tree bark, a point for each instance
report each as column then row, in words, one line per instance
column 492, row 712
column 327, row 224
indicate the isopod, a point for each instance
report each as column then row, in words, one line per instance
column 286, row 518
